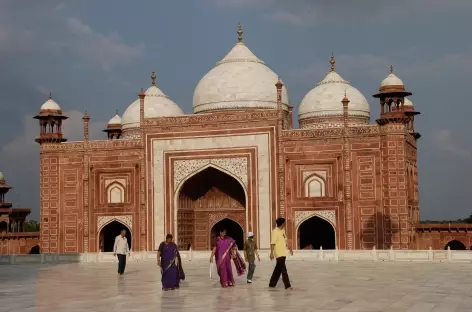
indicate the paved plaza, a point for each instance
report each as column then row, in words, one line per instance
column 318, row 286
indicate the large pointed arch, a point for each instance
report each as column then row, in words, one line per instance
column 325, row 216
column 108, row 232
column 194, row 174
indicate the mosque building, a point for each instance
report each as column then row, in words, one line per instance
column 237, row 162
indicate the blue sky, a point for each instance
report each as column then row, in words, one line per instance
column 96, row 55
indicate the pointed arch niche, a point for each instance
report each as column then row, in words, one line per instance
column 206, row 187
column 115, row 193
column 314, row 184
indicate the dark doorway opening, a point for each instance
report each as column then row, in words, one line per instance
column 233, row 230
column 315, row 233
column 455, row 245
column 34, row 250
column 109, row 233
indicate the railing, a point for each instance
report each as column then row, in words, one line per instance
column 299, row 255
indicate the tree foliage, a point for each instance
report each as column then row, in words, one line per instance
column 31, row 226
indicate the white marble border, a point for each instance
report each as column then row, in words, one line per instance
column 259, row 140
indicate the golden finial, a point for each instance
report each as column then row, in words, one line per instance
column 153, row 78
column 391, row 69
column 50, row 95
column 332, row 61
column 240, row 33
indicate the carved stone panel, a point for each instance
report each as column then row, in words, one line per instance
column 328, row 215
column 187, row 167
column 125, row 219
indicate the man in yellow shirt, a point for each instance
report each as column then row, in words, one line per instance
column 279, row 250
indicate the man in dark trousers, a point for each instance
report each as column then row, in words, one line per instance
column 121, row 249
column 279, row 250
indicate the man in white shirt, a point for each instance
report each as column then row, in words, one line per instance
column 121, row 249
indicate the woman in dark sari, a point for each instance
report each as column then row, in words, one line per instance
column 168, row 258
column 224, row 250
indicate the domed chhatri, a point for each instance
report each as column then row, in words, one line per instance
column 239, row 81
column 323, row 103
column 392, row 84
column 156, row 104
column 116, row 120
column 50, row 106
column 2, row 177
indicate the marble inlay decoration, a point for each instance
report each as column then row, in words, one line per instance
column 328, row 215
column 124, row 219
column 183, row 169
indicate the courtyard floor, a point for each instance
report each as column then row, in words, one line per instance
column 318, row 286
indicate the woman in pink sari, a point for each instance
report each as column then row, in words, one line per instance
column 224, row 250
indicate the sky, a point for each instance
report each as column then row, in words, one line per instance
column 96, row 55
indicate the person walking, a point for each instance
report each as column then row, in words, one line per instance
column 168, row 258
column 120, row 250
column 250, row 254
column 279, row 250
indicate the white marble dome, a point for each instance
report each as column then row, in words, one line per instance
column 156, row 104
column 239, row 81
column 50, row 104
column 408, row 102
column 2, row 177
column 391, row 80
column 325, row 99
column 116, row 120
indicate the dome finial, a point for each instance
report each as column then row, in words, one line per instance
column 117, row 111
column 50, row 95
column 391, row 69
column 332, row 61
column 153, row 78
column 240, row 32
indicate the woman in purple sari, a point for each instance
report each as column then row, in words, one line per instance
column 224, row 250
column 168, row 258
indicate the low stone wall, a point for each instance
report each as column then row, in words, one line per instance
column 18, row 243
column 300, row 255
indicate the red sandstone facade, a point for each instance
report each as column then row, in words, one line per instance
column 339, row 181
column 369, row 174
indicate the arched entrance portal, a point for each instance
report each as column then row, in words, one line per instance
column 209, row 192
column 314, row 233
column 108, row 234
column 455, row 245
column 233, row 230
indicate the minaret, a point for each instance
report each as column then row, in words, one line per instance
column 142, row 172
column 50, row 121
column 347, row 172
column 280, row 159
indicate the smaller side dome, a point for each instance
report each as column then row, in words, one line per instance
column 391, row 83
column 408, row 103
column 156, row 104
column 2, row 177
column 116, row 120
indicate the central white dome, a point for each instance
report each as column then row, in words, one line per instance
column 239, row 81
column 156, row 104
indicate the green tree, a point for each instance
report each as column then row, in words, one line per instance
column 31, row 226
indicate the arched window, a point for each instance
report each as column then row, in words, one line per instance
column 315, row 186
column 116, row 193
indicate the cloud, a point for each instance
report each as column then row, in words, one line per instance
column 49, row 32
column 23, row 146
column 445, row 141
column 309, row 12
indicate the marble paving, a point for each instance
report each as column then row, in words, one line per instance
column 318, row 286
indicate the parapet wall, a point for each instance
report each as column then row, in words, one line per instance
column 300, row 255
column 18, row 243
